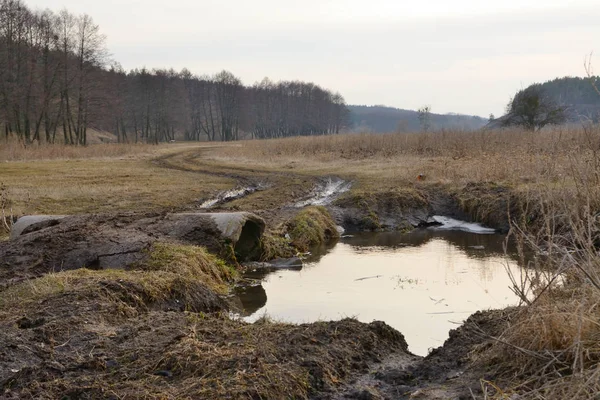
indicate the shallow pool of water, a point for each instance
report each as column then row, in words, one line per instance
column 423, row 283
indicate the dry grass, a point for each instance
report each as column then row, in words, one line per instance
column 552, row 348
column 269, row 360
column 18, row 151
column 514, row 156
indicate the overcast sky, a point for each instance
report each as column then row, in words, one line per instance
column 465, row 56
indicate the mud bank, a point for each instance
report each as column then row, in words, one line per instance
column 453, row 371
column 109, row 241
column 136, row 334
column 114, row 334
column 409, row 208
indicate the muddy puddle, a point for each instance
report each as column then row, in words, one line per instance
column 230, row 195
column 423, row 284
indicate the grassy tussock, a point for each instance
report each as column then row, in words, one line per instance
column 274, row 246
column 191, row 262
column 311, row 227
column 130, row 290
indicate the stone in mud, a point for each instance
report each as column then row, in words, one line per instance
column 279, row 263
column 242, row 229
column 33, row 223
column 43, row 244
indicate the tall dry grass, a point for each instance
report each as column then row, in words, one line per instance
column 513, row 155
column 15, row 150
column 6, row 212
column 551, row 350
column 456, row 144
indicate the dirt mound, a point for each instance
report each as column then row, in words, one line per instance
column 453, row 371
column 108, row 241
column 161, row 330
column 78, row 347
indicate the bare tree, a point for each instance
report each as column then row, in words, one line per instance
column 53, row 78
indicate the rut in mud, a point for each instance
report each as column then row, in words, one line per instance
column 328, row 190
column 230, row 195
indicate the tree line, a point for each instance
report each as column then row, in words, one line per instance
column 57, row 81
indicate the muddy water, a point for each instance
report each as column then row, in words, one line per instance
column 423, row 283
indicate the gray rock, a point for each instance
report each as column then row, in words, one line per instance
column 33, row 223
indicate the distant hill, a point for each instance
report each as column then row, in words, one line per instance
column 382, row 119
column 578, row 94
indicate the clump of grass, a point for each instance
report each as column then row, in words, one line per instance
column 311, row 227
column 128, row 291
column 275, row 246
column 191, row 262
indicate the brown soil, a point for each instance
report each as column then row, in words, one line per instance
column 453, row 371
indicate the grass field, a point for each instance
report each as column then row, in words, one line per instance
column 98, row 178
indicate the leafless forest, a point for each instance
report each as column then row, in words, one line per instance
column 57, row 80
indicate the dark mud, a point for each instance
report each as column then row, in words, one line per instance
column 108, row 241
column 124, row 346
column 452, row 371
column 404, row 210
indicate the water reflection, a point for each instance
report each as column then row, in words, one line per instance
column 474, row 245
column 422, row 283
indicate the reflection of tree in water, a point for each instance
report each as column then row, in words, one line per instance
column 473, row 245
